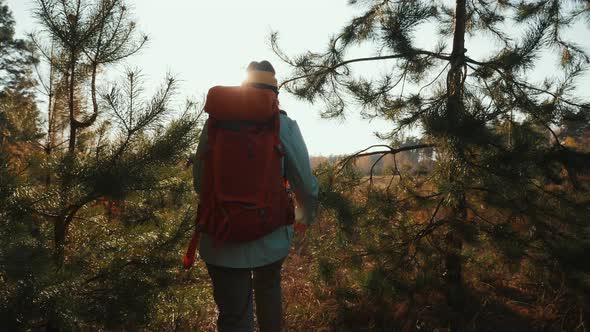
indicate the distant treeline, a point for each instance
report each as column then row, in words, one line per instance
column 573, row 134
column 413, row 159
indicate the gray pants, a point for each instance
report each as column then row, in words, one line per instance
column 232, row 290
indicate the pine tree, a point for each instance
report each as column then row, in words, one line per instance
column 493, row 131
column 88, row 36
column 91, row 234
column 16, row 55
column 18, row 112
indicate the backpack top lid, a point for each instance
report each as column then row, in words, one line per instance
column 241, row 103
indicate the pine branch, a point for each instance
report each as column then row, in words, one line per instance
column 509, row 78
column 331, row 69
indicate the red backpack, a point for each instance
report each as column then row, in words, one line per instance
column 243, row 192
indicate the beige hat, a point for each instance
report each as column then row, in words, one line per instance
column 261, row 73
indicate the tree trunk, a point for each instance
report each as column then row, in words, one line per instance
column 53, row 322
column 60, row 233
column 48, row 172
column 71, row 107
column 455, row 291
column 50, row 141
column 455, row 108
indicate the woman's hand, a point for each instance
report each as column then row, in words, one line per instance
column 299, row 228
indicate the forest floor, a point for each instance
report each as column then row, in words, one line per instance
column 500, row 304
column 495, row 304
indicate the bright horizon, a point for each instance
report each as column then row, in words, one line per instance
column 210, row 43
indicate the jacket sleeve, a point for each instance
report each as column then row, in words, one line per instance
column 298, row 170
column 197, row 162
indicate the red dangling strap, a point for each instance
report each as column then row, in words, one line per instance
column 189, row 257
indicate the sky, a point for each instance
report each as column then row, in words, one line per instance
column 208, row 43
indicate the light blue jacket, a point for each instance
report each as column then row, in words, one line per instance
column 276, row 245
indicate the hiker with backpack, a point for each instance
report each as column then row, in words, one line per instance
column 250, row 160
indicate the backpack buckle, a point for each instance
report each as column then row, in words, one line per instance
column 263, row 215
column 279, row 149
